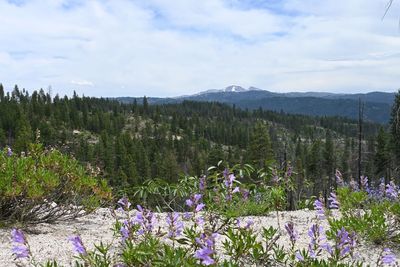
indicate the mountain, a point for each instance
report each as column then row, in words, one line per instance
column 377, row 105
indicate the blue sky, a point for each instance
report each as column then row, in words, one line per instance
column 170, row 48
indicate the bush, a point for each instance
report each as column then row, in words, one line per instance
column 45, row 185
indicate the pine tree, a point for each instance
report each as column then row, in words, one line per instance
column 23, row 135
column 1, row 92
column 395, row 128
column 260, row 151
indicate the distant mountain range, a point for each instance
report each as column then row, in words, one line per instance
column 377, row 105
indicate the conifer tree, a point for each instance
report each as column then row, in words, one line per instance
column 260, row 150
column 395, row 128
column 23, row 135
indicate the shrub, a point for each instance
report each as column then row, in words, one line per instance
column 45, row 185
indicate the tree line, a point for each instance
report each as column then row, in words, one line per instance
column 131, row 143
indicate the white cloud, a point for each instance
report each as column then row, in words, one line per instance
column 160, row 48
column 82, row 83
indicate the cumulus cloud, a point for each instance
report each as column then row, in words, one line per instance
column 169, row 48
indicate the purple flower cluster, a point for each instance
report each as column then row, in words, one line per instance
column 78, row 245
column 194, row 203
column 333, row 201
column 345, row 244
column 245, row 194
column 320, row 209
column 353, row 185
column 392, row 192
column 229, row 179
column 124, row 204
column 175, row 226
column 364, row 183
column 128, row 224
column 207, row 248
column 9, row 152
column 247, row 226
column 339, row 178
column 145, row 219
column 317, row 240
column 293, row 235
column 202, row 183
column 387, row 257
column 21, row 248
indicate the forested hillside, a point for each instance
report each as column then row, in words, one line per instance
column 131, row 143
column 377, row 105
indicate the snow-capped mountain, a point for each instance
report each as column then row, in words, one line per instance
column 229, row 89
column 235, row 88
column 377, row 104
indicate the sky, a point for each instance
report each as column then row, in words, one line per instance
column 180, row 47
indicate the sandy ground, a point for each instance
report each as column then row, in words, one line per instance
column 50, row 241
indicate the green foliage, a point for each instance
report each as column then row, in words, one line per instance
column 244, row 248
column 351, row 200
column 45, row 185
column 395, row 127
column 131, row 143
column 370, row 223
column 251, row 207
column 99, row 257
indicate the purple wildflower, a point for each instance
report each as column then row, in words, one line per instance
column 353, row 185
column 20, row 251
column 320, row 209
column 388, row 257
column 197, row 197
column 339, row 178
column 293, row 235
column 289, row 171
column 20, row 248
column 299, row 257
column 146, row 219
column 199, row 221
column 225, row 173
column 364, row 182
column 17, row 236
column 9, row 152
column 205, row 253
column 202, row 183
column 200, row 206
column 187, row 216
column 189, row 202
column 124, row 232
column 236, row 190
column 245, row 194
column 317, row 240
column 175, row 227
column 78, row 245
column 229, row 180
column 194, row 203
column 334, row 203
column 249, row 223
column 124, row 204
column 391, row 190
column 342, row 238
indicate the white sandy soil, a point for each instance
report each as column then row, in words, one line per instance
column 50, row 241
